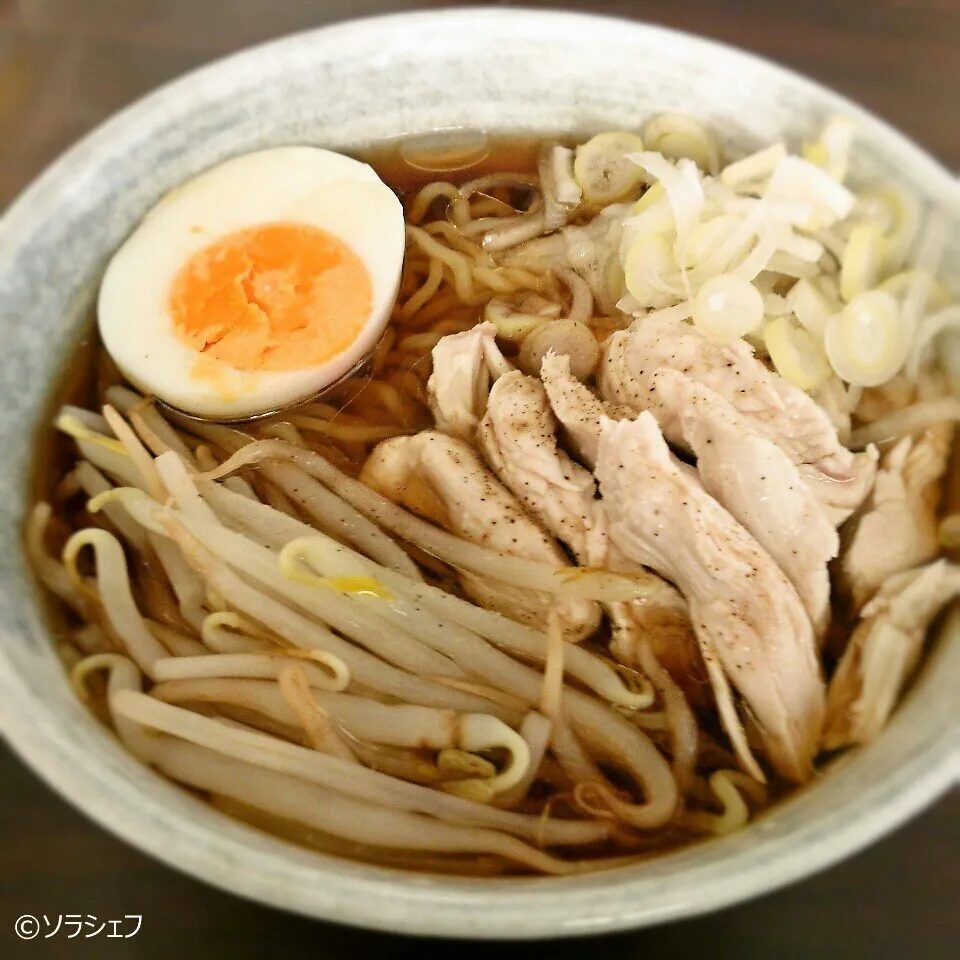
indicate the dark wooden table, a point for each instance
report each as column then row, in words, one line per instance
column 67, row 64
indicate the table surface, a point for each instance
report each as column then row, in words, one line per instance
column 67, row 64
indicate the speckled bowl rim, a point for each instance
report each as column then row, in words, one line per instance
column 692, row 881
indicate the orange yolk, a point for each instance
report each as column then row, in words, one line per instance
column 283, row 296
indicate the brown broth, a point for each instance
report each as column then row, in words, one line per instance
column 76, row 384
column 515, row 154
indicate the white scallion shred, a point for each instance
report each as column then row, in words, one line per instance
column 754, row 168
column 797, row 181
column 681, row 181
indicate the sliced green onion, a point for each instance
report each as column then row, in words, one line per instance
column 657, row 218
column 797, row 355
column 903, row 215
column 602, row 169
column 866, row 342
column 677, row 135
column 938, row 294
column 897, row 214
column 708, row 237
column 862, row 258
column 727, row 307
column 649, row 269
column 810, row 307
column 930, row 329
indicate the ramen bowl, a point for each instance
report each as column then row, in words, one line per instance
column 349, row 86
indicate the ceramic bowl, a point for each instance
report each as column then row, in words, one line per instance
column 347, row 86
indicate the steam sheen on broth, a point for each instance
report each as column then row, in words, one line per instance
column 630, row 521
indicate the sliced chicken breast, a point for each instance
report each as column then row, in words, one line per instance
column 577, row 407
column 884, row 651
column 759, row 485
column 443, row 479
column 774, row 408
column 463, row 366
column 897, row 530
column 753, row 630
column 517, row 436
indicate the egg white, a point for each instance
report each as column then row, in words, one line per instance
column 302, row 185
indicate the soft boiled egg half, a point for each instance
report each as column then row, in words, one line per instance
column 255, row 285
